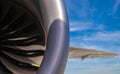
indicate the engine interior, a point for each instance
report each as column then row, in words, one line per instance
column 22, row 39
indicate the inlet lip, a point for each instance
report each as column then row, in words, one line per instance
column 56, row 25
column 56, row 49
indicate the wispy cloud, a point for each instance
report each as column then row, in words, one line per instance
column 77, row 26
column 104, row 36
column 100, row 67
column 90, row 46
column 115, row 7
column 80, row 26
column 108, row 36
column 107, row 41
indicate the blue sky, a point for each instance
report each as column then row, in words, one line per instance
column 94, row 24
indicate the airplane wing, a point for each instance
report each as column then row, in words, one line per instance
column 87, row 53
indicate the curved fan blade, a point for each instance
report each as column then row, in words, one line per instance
column 22, row 44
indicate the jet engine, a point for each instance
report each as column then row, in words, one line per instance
column 34, row 37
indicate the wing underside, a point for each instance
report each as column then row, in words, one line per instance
column 87, row 53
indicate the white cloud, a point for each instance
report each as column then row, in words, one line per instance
column 90, row 46
column 96, row 41
column 77, row 26
column 104, row 36
column 92, row 68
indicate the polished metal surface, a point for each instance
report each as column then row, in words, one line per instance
column 52, row 10
column 56, row 50
column 56, row 25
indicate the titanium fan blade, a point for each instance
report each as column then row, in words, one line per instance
column 22, row 39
